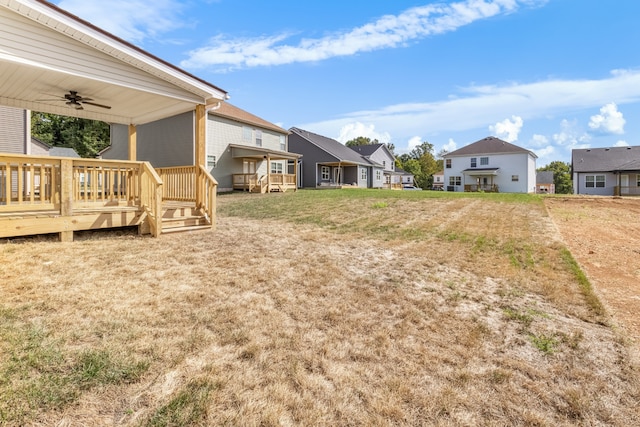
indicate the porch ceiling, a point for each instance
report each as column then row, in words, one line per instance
column 481, row 172
column 242, row 151
column 46, row 52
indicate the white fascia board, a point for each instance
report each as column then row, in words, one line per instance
column 111, row 46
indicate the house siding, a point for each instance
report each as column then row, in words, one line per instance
column 611, row 180
column 311, row 172
column 14, row 131
column 520, row 164
column 163, row 143
column 221, row 132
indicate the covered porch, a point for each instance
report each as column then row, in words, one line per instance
column 481, row 180
column 264, row 170
column 336, row 175
column 112, row 81
column 628, row 182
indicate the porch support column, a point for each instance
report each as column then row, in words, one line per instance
column 295, row 174
column 133, row 137
column 66, row 199
column 200, row 150
column 268, row 173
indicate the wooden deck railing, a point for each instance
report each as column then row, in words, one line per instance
column 151, row 188
column 190, row 184
column 244, row 181
column 29, row 183
column 626, row 191
column 489, row 188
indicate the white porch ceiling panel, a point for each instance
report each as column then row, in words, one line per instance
column 45, row 53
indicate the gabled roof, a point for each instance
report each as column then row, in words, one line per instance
column 605, row 159
column 489, row 145
column 333, row 147
column 63, row 152
column 48, row 52
column 544, row 177
column 234, row 113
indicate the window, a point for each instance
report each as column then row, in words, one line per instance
column 211, row 162
column 378, row 175
column 515, row 178
column 448, row 163
column 484, row 161
column 363, row 173
column 384, row 164
column 638, row 180
column 474, row 162
column 455, row 180
column 592, row 181
column 283, row 143
column 258, row 138
column 276, row 167
column 325, row 173
column 246, row 133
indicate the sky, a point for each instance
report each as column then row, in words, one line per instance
column 546, row 75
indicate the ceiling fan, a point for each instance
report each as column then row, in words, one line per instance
column 76, row 101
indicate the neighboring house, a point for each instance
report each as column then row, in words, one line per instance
column 243, row 151
column 326, row 163
column 490, row 164
column 406, row 178
column 380, row 154
column 438, row 180
column 544, row 183
column 15, row 131
column 606, row 171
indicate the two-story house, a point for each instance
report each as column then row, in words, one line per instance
column 381, row 155
column 243, row 151
column 491, row 165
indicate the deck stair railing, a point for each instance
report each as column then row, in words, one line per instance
column 192, row 184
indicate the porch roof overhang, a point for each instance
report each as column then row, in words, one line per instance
column 243, row 151
column 48, row 52
column 481, row 172
column 344, row 163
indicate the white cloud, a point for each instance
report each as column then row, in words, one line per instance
column 131, row 20
column 539, row 141
column 450, row 146
column 483, row 105
column 414, row 142
column 609, row 120
column 389, row 31
column 508, row 129
column 621, row 144
column 356, row 129
column 571, row 136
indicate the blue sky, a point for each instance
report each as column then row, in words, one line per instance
column 547, row 75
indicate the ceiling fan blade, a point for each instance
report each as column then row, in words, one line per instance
column 95, row 105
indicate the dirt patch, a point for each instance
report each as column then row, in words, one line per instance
column 604, row 236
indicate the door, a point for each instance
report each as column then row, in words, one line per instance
column 624, row 184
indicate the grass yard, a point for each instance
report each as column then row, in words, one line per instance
column 337, row 307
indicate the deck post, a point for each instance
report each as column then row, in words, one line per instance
column 66, row 197
column 295, row 175
column 200, row 150
column 268, row 173
column 133, row 138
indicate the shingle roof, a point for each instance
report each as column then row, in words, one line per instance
column 544, row 177
column 605, row 159
column 333, row 147
column 63, row 152
column 489, row 145
column 234, row 113
column 366, row 150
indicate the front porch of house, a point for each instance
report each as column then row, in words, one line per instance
column 264, row 170
column 43, row 195
column 481, row 180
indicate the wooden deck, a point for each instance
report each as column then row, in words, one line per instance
column 274, row 182
column 42, row 195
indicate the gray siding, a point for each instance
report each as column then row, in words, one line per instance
column 311, row 156
column 611, row 180
column 164, row 143
column 14, row 132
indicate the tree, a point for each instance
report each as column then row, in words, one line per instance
column 561, row 176
column 87, row 137
column 421, row 163
column 361, row 140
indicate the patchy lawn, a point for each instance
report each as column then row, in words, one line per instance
column 315, row 308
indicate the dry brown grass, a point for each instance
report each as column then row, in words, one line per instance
column 352, row 309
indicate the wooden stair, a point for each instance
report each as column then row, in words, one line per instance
column 178, row 218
